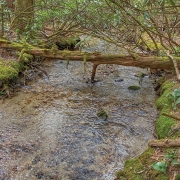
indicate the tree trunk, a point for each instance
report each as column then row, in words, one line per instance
column 24, row 13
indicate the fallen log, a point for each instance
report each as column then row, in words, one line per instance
column 96, row 58
column 165, row 143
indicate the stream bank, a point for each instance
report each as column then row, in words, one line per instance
column 146, row 166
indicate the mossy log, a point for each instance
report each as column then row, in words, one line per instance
column 96, row 58
column 166, row 143
column 152, row 62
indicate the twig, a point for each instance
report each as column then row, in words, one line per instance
column 171, row 116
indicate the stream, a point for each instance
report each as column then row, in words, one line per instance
column 50, row 129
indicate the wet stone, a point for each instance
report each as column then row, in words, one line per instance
column 119, row 80
column 36, row 159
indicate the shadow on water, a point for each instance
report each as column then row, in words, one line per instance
column 50, row 130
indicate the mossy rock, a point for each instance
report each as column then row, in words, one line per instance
column 140, row 74
column 9, row 70
column 134, row 87
column 102, row 114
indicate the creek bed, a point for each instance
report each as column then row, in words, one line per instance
column 50, row 129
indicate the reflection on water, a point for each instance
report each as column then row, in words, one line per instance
column 50, row 130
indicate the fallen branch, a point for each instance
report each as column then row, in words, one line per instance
column 171, row 116
column 165, row 143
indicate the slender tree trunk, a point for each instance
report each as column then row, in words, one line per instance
column 24, row 15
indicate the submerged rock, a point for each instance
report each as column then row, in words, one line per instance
column 102, row 114
column 134, row 87
column 119, row 80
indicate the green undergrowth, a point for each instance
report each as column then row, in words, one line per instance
column 164, row 105
column 140, row 168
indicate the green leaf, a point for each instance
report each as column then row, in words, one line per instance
column 170, row 155
column 160, row 166
column 175, row 162
column 146, row 15
column 177, row 101
column 145, row 2
column 2, row 93
column 172, row 3
column 177, row 92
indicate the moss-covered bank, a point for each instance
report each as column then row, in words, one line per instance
column 140, row 168
column 10, row 69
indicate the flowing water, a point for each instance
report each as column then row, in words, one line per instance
column 50, row 129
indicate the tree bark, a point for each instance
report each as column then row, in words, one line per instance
column 165, row 143
column 24, row 15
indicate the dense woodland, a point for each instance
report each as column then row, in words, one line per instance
column 147, row 30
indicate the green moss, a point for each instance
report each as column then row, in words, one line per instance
column 4, row 40
column 167, row 85
column 24, row 57
column 163, row 102
column 9, row 70
column 138, row 169
column 163, row 126
column 102, row 114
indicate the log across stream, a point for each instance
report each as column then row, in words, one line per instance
column 96, row 57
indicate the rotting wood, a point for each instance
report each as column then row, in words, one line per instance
column 165, row 143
